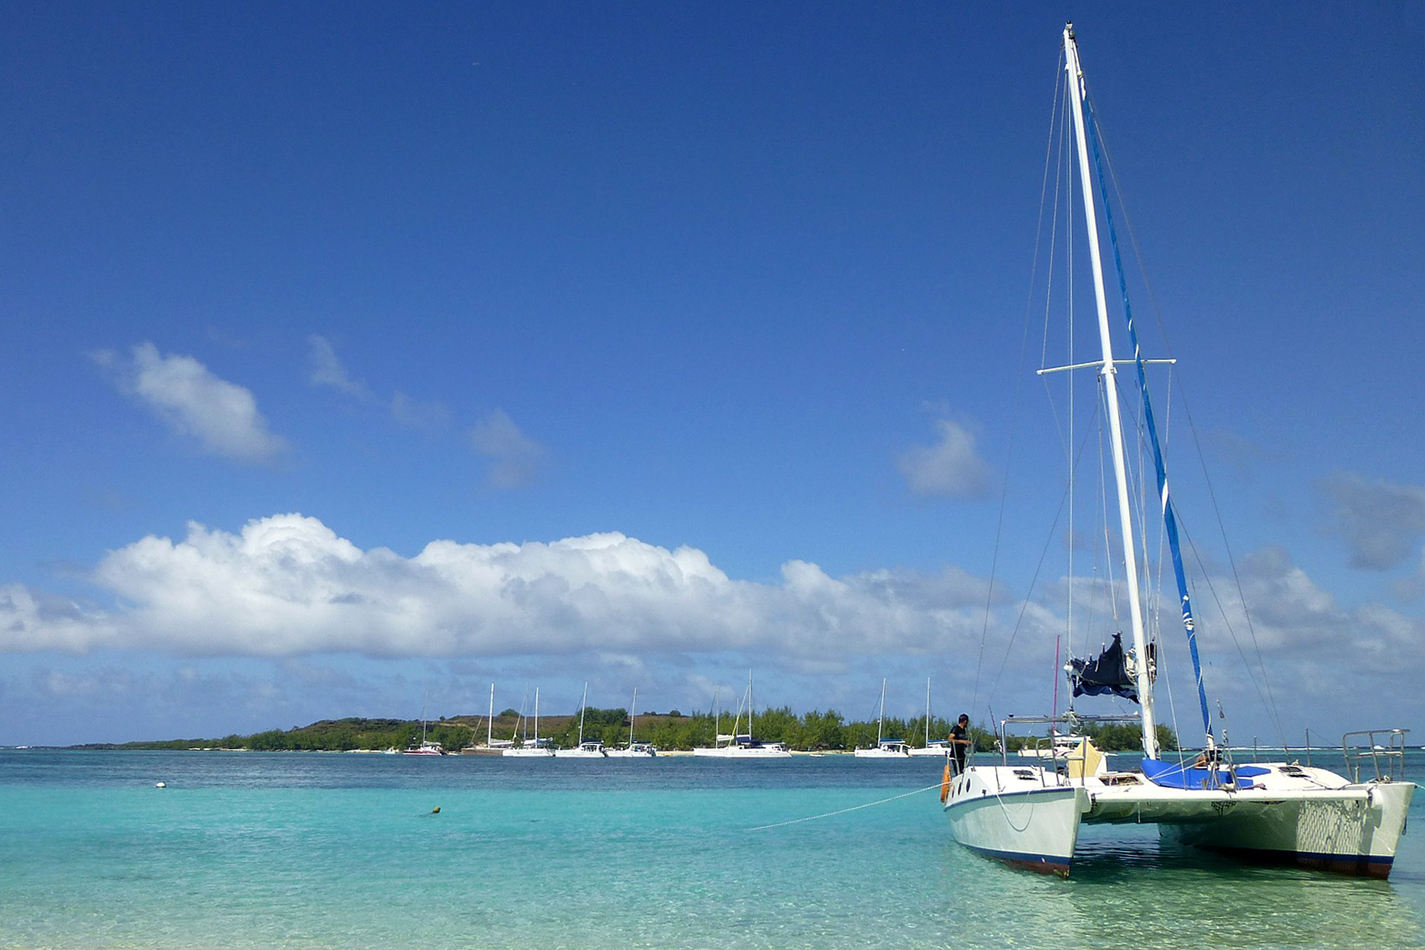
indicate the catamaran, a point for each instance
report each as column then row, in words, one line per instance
column 536, row 747
column 492, row 745
column 634, row 749
column 940, row 747
column 1277, row 811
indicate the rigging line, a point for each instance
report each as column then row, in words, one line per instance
column 1109, row 561
column 1034, row 580
column 1060, row 188
column 1169, row 516
column 842, row 811
column 1028, row 598
column 1269, row 700
column 1019, row 395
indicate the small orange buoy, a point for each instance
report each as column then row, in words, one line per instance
column 435, row 810
column 945, row 783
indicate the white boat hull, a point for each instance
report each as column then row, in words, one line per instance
column 744, row 752
column 639, row 750
column 886, row 750
column 1346, row 834
column 1025, row 823
column 425, row 748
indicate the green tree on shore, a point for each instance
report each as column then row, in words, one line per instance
column 815, row 731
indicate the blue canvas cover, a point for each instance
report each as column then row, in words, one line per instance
column 1176, row 775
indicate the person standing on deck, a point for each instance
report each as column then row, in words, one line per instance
column 960, row 741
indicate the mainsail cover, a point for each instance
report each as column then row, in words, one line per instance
column 1106, row 674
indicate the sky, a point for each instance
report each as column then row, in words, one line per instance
column 359, row 356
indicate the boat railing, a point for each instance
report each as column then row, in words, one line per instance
column 1056, row 769
column 1381, row 751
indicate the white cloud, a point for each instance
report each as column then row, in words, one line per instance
column 328, row 369
column 951, row 467
column 288, row 585
column 192, row 402
column 429, row 416
column 514, row 457
column 1382, row 523
column 288, row 588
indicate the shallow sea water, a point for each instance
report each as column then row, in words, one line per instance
column 246, row 850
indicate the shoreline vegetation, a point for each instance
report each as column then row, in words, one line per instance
column 670, row 732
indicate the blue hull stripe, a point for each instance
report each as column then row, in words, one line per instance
column 1035, row 862
column 1367, row 865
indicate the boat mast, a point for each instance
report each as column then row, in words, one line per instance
column 1109, row 374
column 582, row 703
column 717, row 716
column 632, row 714
column 490, row 720
column 881, row 716
column 927, row 712
column 424, row 703
column 750, row 706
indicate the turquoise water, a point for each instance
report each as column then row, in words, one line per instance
column 344, row 851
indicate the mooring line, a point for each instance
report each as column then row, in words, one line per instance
column 842, row 811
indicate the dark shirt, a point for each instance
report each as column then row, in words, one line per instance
column 959, row 741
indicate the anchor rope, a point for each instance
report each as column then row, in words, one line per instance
column 842, row 811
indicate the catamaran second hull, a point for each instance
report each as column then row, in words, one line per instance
column 1351, row 831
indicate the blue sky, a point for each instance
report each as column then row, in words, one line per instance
column 358, row 353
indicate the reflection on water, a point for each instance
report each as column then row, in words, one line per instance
column 1134, row 891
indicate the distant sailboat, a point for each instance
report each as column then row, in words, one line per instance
column 492, row 745
column 743, row 745
column 884, row 748
column 634, row 750
column 538, row 748
column 592, row 749
column 426, row 747
column 932, row 747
